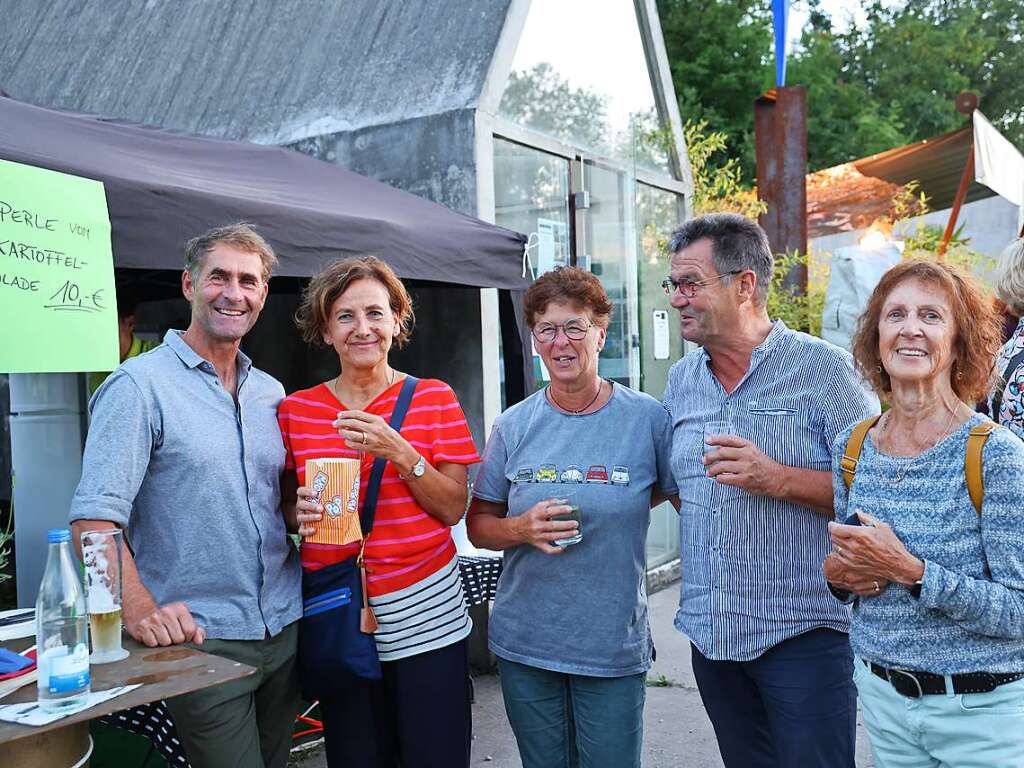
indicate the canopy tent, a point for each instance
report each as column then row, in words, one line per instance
column 164, row 186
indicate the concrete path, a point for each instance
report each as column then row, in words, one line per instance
column 677, row 732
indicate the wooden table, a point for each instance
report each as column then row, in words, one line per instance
column 163, row 672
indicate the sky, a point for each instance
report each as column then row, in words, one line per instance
column 597, row 46
column 841, row 11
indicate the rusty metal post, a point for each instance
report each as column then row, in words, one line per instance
column 780, row 128
column 961, row 192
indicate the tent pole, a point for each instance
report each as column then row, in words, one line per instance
column 961, row 193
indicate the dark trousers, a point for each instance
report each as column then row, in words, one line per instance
column 417, row 716
column 246, row 723
column 795, row 706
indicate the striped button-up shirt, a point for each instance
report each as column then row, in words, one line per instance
column 751, row 565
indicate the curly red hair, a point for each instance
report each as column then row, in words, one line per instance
column 978, row 329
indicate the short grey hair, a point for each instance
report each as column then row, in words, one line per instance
column 1010, row 276
column 736, row 243
column 240, row 235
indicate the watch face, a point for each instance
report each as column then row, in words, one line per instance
column 419, row 467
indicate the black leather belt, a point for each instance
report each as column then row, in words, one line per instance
column 915, row 684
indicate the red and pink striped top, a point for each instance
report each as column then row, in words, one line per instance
column 406, row 544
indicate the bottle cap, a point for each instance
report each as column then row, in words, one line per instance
column 58, row 535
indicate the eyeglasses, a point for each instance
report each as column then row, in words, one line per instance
column 689, row 287
column 576, row 330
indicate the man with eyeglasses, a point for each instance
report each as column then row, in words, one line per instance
column 769, row 643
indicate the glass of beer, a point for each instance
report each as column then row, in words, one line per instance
column 101, row 555
column 571, row 500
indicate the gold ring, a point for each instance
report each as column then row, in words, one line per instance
column 364, row 438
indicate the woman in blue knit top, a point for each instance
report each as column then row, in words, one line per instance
column 937, row 627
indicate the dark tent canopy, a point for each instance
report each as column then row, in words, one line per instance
column 164, row 187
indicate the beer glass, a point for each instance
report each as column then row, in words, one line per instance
column 101, row 555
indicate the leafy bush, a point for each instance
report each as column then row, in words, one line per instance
column 798, row 310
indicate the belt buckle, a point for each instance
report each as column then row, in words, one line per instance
column 905, row 673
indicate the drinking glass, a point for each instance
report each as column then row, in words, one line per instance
column 715, row 428
column 101, row 555
column 571, row 500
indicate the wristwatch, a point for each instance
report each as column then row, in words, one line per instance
column 417, row 470
column 915, row 589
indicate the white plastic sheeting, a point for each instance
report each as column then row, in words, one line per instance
column 854, row 274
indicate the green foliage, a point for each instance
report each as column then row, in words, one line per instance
column 843, row 121
column 888, row 81
column 661, row 682
column 924, row 244
column 6, row 537
column 799, row 310
column 717, row 181
column 918, row 55
column 719, row 53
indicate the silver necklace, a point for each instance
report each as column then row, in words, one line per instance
column 902, row 471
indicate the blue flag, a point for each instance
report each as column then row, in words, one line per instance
column 780, row 20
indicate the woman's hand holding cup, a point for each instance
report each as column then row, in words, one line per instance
column 536, row 527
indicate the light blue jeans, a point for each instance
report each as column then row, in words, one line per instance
column 574, row 721
column 968, row 730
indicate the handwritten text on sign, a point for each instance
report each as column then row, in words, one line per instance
column 58, row 309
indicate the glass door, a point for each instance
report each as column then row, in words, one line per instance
column 658, row 212
column 608, row 248
column 531, row 195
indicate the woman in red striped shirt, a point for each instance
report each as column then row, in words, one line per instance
column 419, row 713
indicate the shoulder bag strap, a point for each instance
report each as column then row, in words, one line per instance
column 972, row 462
column 1011, row 368
column 851, row 454
column 369, row 509
column 367, row 619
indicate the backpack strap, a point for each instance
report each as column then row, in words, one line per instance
column 972, row 462
column 851, row 454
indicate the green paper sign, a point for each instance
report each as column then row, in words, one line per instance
column 58, row 308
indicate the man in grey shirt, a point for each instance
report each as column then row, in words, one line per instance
column 184, row 453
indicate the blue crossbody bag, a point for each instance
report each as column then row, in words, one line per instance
column 336, row 630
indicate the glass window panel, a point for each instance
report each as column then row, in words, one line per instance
column 610, row 242
column 658, row 212
column 531, row 195
column 565, row 83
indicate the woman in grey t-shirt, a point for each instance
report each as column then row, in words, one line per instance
column 569, row 622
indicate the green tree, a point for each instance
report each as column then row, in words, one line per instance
column 887, row 81
column 719, row 52
column 843, row 121
column 917, row 56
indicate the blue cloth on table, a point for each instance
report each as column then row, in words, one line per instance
column 12, row 662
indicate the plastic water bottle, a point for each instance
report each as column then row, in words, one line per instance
column 62, row 629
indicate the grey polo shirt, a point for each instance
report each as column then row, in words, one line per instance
column 194, row 480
